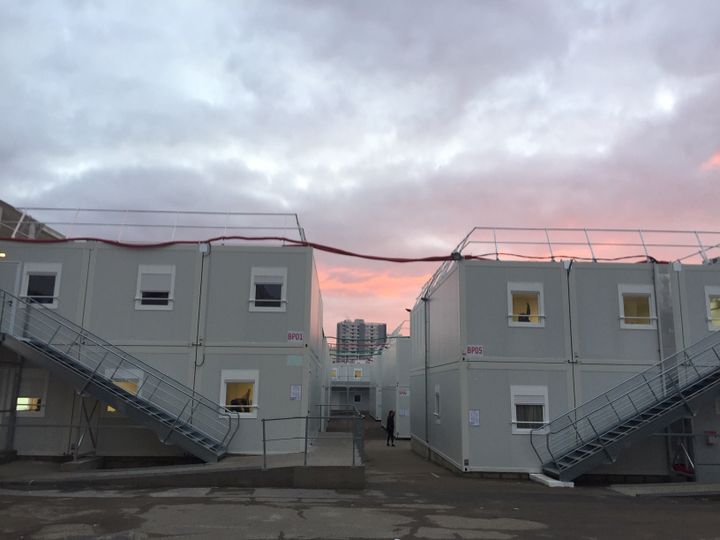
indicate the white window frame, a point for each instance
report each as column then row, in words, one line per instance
column 123, row 374
column 273, row 275
column 711, row 290
column 637, row 289
column 163, row 269
column 522, row 287
column 437, row 411
column 241, row 376
column 519, row 394
column 42, row 269
column 39, row 375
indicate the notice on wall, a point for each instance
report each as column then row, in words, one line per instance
column 403, row 392
column 403, row 412
column 474, row 350
column 295, row 337
column 295, row 392
column 474, row 417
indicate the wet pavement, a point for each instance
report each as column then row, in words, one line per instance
column 406, row 497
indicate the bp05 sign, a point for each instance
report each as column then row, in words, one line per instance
column 474, row 350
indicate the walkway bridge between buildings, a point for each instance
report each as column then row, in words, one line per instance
column 95, row 368
column 596, row 432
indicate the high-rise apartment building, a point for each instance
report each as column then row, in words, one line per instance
column 358, row 340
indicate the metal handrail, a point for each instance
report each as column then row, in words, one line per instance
column 649, row 388
column 357, row 435
column 92, row 352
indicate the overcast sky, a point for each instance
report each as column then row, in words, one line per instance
column 389, row 127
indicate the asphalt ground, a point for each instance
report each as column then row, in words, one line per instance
column 406, row 497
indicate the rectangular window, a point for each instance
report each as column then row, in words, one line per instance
column 712, row 299
column 637, row 307
column 129, row 380
column 32, row 397
column 239, row 391
column 357, row 373
column 357, row 398
column 155, row 287
column 529, row 408
column 268, row 289
column 525, row 305
column 41, row 283
column 333, row 373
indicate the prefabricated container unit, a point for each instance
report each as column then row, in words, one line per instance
column 395, row 363
column 501, row 347
column 194, row 312
column 351, row 385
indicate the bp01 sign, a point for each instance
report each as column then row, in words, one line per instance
column 474, row 350
column 294, row 337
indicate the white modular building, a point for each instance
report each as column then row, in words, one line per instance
column 606, row 362
column 394, row 364
column 158, row 349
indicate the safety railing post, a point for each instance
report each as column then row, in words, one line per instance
column 264, row 445
column 306, row 441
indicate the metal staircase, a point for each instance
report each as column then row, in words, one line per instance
column 597, row 431
column 178, row 414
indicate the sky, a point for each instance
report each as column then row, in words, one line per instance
column 390, row 128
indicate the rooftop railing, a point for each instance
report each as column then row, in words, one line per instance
column 156, row 225
column 582, row 244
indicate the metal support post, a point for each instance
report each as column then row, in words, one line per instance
column 306, row 441
column 264, row 446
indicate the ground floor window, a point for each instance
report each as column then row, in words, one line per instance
column 239, row 391
column 529, row 408
column 32, row 396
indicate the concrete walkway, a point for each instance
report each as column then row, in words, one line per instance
column 330, row 464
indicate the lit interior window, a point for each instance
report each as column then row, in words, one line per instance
column 130, row 386
column 636, row 308
column 714, row 311
column 525, row 307
column 28, row 404
column 358, row 373
column 239, row 396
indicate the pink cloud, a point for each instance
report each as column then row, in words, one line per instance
column 712, row 163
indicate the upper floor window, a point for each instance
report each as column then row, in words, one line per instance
column 712, row 300
column 41, row 283
column 526, row 305
column 268, row 289
column 155, row 287
column 637, row 307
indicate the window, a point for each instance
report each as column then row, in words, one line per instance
column 239, row 391
column 333, row 373
column 357, row 373
column 529, row 405
column 712, row 299
column 268, row 289
column 130, row 380
column 32, row 396
column 436, row 411
column 155, row 287
column 525, row 305
column 357, row 398
column 637, row 307
column 41, row 283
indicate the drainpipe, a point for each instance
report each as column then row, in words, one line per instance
column 426, row 306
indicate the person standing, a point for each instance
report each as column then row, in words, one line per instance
column 390, row 428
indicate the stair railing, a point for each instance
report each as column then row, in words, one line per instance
column 99, row 362
column 673, row 376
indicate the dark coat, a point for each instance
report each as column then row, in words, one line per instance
column 390, row 423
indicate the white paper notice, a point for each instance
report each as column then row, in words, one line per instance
column 474, row 417
column 295, row 392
